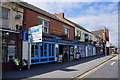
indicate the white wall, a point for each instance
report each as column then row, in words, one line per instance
column 13, row 13
column 82, row 34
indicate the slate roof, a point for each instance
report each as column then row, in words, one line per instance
column 43, row 12
column 98, row 32
column 38, row 10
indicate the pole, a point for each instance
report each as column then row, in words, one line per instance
column 105, row 50
column 29, row 52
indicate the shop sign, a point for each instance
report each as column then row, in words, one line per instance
column 69, row 42
column 81, row 44
column 48, row 39
column 35, row 34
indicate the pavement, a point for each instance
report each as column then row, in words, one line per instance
column 68, row 70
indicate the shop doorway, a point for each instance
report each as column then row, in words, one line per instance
column 64, row 50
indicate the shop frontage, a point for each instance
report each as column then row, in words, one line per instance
column 90, row 50
column 51, row 46
column 66, row 48
column 80, row 50
column 41, row 52
column 11, row 47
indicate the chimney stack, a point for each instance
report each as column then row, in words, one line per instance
column 61, row 15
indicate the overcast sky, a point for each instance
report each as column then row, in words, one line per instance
column 90, row 15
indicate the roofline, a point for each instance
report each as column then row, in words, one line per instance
column 26, row 6
column 79, row 26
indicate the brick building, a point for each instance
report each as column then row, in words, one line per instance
column 103, row 35
column 59, row 36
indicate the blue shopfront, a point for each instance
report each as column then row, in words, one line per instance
column 66, row 47
column 90, row 49
column 47, row 50
column 81, row 48
column 41, row 52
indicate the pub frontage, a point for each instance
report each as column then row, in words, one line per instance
column 51, row 46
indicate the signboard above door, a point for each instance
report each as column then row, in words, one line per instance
column 35, row 34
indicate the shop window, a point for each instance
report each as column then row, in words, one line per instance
column 5, row 17
column 41, row 50
column 53, row 49
column 82, row 49
column 34, row 50
column 8, row 50
column 11, row 42
column 50, row 46
column 4, row 41
column 45, row 25
column 44, row 50
column 8, row 53
column 71, row 50
column 11, row 53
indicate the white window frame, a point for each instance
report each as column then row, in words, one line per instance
column 43, row 25
column 90, row 37
column 79, row 33
column 7, row 18
column 67, row 31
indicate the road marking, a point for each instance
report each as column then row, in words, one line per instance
column 112, row 63
column 91, row 71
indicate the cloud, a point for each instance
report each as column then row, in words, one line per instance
column 95, row 22
column 71, row 0
column 94, row 14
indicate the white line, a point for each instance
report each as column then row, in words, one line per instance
column 112, row 63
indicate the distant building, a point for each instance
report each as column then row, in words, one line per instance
column 102, row 33
column 103, row 37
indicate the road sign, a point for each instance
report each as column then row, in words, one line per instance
column 35, row 34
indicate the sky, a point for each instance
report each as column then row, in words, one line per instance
column 92, row 14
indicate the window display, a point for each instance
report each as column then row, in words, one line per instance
column 82, row 51
column 8, row 50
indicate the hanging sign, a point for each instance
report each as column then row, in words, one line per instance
column 35, row 34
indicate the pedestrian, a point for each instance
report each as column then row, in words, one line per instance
column 60, row 57
column 18, row 66
column 101, row 51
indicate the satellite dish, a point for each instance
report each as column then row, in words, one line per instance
column 18, row 16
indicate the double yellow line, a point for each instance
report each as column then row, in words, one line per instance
column 91, row 71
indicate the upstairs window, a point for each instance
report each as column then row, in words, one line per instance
column 4, row 18
column 66, row 31
column 90, row 37
column 45, row 25
column 78, row 33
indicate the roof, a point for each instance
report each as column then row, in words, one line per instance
column 79, row 26
column 43, row 12
column 98, row 32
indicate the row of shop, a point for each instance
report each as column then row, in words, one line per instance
column 52, row 46
column 44, row 52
